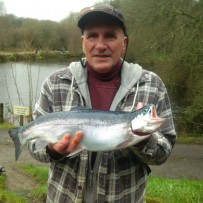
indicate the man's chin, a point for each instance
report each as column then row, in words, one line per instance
column 102, row 67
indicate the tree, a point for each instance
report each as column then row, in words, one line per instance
column 69, row 25
column 166, row 37
column 2, row 8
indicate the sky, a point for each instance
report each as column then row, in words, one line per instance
column 55, row 10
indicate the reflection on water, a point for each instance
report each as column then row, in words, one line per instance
column 21, row 81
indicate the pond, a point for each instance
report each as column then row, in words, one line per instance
column 20, row 81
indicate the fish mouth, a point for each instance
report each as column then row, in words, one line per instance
column 149, row 127
column 148, row 124
column 154, row 118
column 156, row 122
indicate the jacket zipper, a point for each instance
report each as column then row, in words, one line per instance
column 91, row 168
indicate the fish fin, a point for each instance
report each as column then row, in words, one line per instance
column 40, row 144
column 18, row 146
column 76, row 152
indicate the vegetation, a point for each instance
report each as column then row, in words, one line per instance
column 159, row 190
column 8, row 196
column 190, row 139
column 167, row 190
column 40, row 174
column 6, row 125
column 165, row 36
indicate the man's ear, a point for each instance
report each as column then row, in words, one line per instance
column 125, row 43
column 82, row 37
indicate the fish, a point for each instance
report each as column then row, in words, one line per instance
column 103, row 130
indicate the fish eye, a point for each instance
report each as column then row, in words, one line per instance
column 144, row 111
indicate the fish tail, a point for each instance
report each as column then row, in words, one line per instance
column 18, row 146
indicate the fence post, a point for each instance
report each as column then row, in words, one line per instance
column 1, row 112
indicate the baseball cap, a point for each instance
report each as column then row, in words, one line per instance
column 103, row 12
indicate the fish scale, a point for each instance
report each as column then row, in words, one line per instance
column 103, row 130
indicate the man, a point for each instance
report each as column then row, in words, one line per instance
column 103, row 80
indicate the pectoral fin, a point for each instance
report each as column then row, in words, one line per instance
column 75, row 152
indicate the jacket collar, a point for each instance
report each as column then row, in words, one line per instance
column 130, row 75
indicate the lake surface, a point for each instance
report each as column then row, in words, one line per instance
column 19, row 80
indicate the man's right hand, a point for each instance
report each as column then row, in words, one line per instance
column 67, row 144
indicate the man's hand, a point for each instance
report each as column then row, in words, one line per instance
column 67, row 144
column 139, row 105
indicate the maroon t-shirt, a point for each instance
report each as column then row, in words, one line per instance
column 103, row 86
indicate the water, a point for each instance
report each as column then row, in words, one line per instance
column 20, row 80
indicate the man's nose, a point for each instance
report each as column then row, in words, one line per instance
column 101, row 44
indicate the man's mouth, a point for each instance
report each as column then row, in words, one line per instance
column 101, row 56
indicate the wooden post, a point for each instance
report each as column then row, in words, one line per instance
column 1, row 112
column 21, row 120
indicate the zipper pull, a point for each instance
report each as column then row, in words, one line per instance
column 90, row 178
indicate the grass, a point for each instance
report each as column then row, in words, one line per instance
column 8, row 196
column 6, row 125
column 159, row 189
column 40, row 174
column 190, row 139
column 167, row 190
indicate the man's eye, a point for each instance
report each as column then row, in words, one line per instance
column 91, row 36
column 110, row 35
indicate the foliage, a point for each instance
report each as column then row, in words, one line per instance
column 2, row 182
column 190, row 139
column 159, row 189
column 39, row 173
column 2, row 8
column 169, row 190
column 6, row 125
column 8, row 196
column 166, row 37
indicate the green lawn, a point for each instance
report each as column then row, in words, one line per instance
column 8, row 196
column 159, row 189
column 168, row 190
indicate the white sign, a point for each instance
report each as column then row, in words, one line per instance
column 21, row 110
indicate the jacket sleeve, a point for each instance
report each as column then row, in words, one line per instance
column 42, row 107
column 157, row 149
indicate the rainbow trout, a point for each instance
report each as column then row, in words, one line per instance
column 103, row 130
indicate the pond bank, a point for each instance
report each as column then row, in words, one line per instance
column 33, row 55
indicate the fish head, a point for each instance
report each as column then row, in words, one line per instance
column 147, row 121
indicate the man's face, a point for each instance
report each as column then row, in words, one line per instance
column 103, row 46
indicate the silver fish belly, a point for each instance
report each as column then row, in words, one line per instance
column 103, row 130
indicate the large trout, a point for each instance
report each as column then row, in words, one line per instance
column 103, row 130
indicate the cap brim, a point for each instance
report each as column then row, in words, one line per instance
column 97, row 16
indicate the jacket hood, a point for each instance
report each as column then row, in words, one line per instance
column 130, row 75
